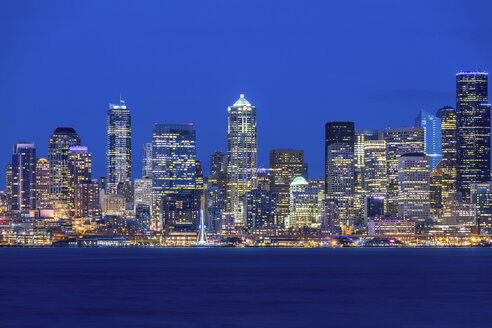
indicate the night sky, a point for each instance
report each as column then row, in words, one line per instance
column 301, row 63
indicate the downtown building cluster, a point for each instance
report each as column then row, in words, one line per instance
column 432, row 176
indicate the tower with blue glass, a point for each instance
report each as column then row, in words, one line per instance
column 432, row 136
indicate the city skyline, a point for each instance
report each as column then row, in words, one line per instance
column 292, row 68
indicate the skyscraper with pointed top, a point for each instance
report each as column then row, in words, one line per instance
column 242, row 154
column 119, row 149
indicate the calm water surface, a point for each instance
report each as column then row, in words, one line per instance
column 245, row 287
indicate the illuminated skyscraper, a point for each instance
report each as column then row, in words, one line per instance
column 433, row 141
column 481, row 198
column 147, row 160
column 414, row 186
column 242, row 148
column 436, row 202
column 340, row 166
column 375, row 171
column 173, row 164
column 60, row 142
column 473, row 118
column 43, row 199
column 303, row 205
column 285, row 165
column 181, row 210
column 119, row 149
column 361, row 138
column 261, row 208
column 449, row 153
column 142, row 191
column 8, row 186
column 86, row 200
column 80, row 167
column 24, row 177
column 218, row 170
column 399, row 141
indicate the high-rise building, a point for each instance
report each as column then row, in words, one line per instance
column 218, row 170
column 181, row 210
column 481, row 198
column 449, row 160
column 173, row 164
column 399, row 141
column 80, row 168
column 340, row 166
column 473, row 118
column 375, row 167
column 60, row 142
column 142, row 191
column 147, row 160
column 119, row 149
column 87, row 199
column 214, row 207
column 242, row 149
column 285, row 166
column 8, row 186
column 261, row 208
column 303, row 205
column 414, row 186
column 330, row 220
column 43, row 200
column 24, row 177
column 432, row 136
column 361, row 138
column 199, row 176
column 436, row 202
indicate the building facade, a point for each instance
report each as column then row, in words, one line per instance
column 24, row 177
column 432, row 136
column 43, row 199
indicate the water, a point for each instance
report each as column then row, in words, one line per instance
column 245, row 287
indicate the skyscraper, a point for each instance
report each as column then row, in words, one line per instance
column 261, row 208
column 285, row 166
column 242, row 148
column 433, row 139
column 218, row 170
column 147, row 160
column 119, row 148
column 399, row 141
column 414, row 186
column 303, row 205
column 173, row 164
column 43, row 200
column 375, row 174
column 60, row 142
column 449, row 153
column 80, row 167
column 24, row 177
column 361, row 138
column 340, row 166
column 8, row 186
column 473, row 119
column 87, row 200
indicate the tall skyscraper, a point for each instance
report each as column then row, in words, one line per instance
column 414, row 186
column 24, row 177
column 80, row 168
column 375, row 174
column 173, row 164
column 60, row 142
column 303, row 205
column 285, row 166
column 147, row 160
column 400, row 141
column 361, row 138
column 118, row 148
column 242, row 149
column 340, row 166
column 433, row 139
column 142, row 191
column 449, row 153
column 473, row 118
column 43, row 199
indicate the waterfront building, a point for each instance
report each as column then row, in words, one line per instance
column 24, row 177
column 374, row 206
column 147, row 160
column 119, row 150
column 303, row 210
column 414, row 186
column 59, row 146
column 459, row 211
column 181, row 210
column 449, row 160
column 399, row 141
column 242, row 153
column 285, row 166
column 261, row 208
column 391, row 226
column 214, row 207
column 432, row 136
column 481, row 198
column 330, row 219
column 43, row 200
column 173, row 164
column 473, row 120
